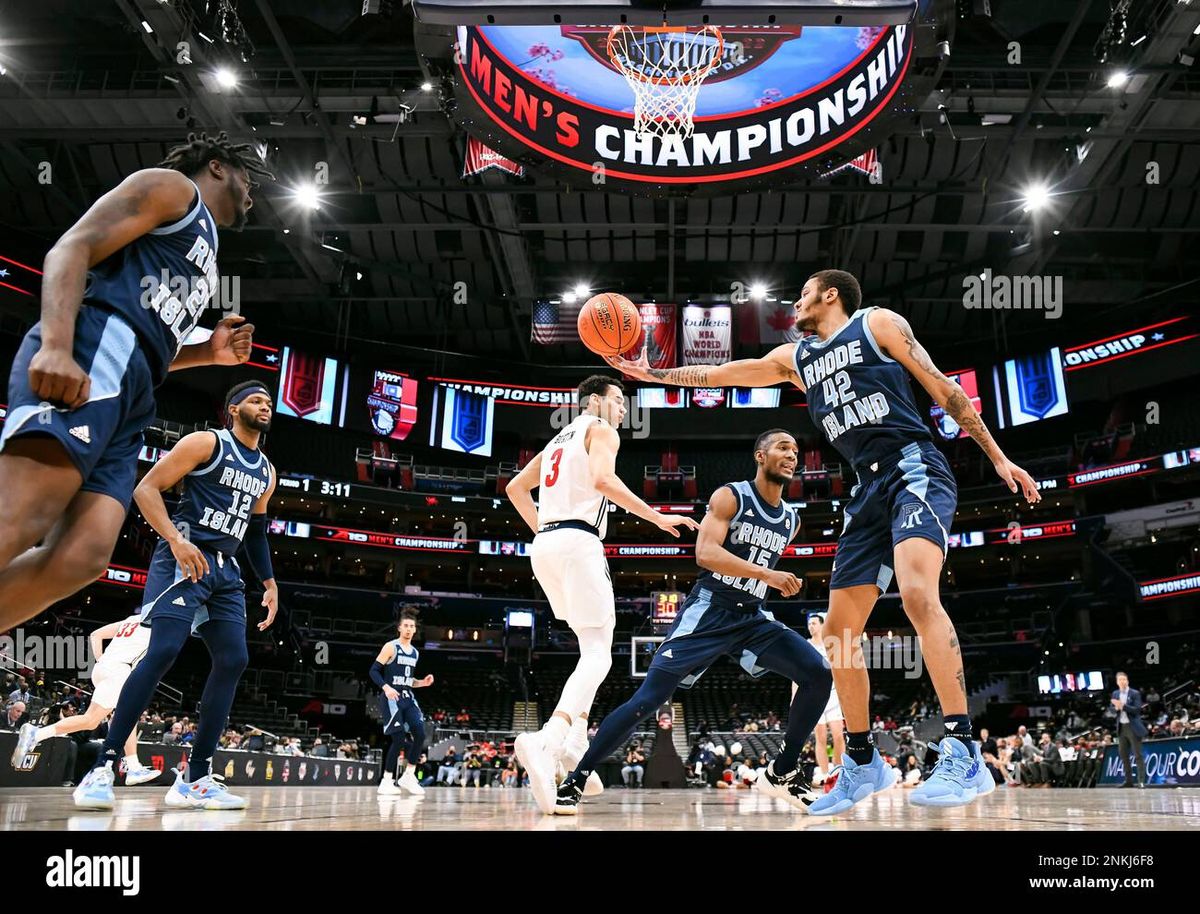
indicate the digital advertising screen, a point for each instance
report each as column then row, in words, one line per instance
column 753, row 397
column 307, row 386
column 462, row 421
column 1031, row 388
column 392, row 404
column 663, row 397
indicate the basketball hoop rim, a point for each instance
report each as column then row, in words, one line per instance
column 686, row 79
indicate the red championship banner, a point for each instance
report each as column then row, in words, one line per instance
column 480, row 158
column 659, row 335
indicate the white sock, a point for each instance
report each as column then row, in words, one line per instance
column 579, row 729
column 132, row 761
column 43, row 733
column 554, row 732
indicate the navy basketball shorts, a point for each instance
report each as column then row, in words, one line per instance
column 219, row 595
column 398, row 714
column 705, row 630
column 104, row 436
column 914, row 496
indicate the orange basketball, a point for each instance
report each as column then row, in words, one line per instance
column 609, row 324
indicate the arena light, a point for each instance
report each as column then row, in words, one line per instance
column 1117, row 78
column 570, row 298
column 147, row 27
column 581, row 290
column 758, row 290
column 1036, row 197
column 226, row 78
column 307, row 196
column 426, row 87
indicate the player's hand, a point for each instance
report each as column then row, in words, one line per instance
column 271, row 601
column 1015, row 477
column 671, row 522
column 785, row 582
column 231, row 341
column 191, row 560
column 639, row 369
column 56, row 377
column 391, row 693
column 426, row 682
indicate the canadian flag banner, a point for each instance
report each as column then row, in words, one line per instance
column 767, row 322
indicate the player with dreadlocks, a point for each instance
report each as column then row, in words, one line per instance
column 121, row 291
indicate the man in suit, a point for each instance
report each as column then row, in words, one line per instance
column 1130, row 729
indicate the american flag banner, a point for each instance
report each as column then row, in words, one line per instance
column 19, row 278
column 555, row 323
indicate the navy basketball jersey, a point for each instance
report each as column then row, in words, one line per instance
column 859, row 397
column 219, row 496
column 160, row 283
column 398, row 672
column 758, row 533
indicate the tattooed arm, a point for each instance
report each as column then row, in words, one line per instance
column 895, row 336
column 776, row 366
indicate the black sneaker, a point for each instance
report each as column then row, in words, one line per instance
column 792, row 787
column 566, row 803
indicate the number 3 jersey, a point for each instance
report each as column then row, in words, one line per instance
column 219, row 496
column 566, row 490
column 758, row 533
column 859, row 397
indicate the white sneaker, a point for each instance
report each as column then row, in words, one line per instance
column 388, row 787
column 142, row 774
column 409, row 784
column 537, row 761
column 818, row 778
column 95, row 791
column 573, row 750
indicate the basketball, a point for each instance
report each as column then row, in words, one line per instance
column 609, row 324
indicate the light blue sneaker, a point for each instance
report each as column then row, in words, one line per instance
column 95, row 791
column 206, row 793
column 958, row 778
column 26, row 739
column 854, row 783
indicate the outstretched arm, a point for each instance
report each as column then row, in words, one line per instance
column 776, row 366
column 894, row 334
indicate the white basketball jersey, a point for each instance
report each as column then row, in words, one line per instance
column 565, row 491
column 129, row 644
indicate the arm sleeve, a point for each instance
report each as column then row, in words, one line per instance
column 257, row 550
column 377, row 674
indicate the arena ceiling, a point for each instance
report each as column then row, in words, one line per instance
column 96, row 89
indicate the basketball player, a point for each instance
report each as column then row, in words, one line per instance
column 856, row 365
column 576, row 474
column 392, row 671
column 113, row 666
column 746, row 530
column 194, row 586
column 121, row 291
column 831, row 716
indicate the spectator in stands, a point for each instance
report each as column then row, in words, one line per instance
column 635, row 765
column 472, row 768
column 21, row 692
column 253, row 740
column 1026, row 739
column 772, row 721
column 509, row 776
column 173, row 736
column 319, row 749
column 448, row 770
column 439, row 716
column 15, row 716
column 189, row 734
column 462, row 718
column 1047, row 764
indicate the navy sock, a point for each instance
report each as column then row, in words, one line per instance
column 794, row 658
column 620, row 724
column 860, row 747
column 959, row 727
column 226, row 643
column 167, row 637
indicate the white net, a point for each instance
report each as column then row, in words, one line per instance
column 665, row 68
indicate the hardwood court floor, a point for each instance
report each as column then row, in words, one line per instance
column 454, row 808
